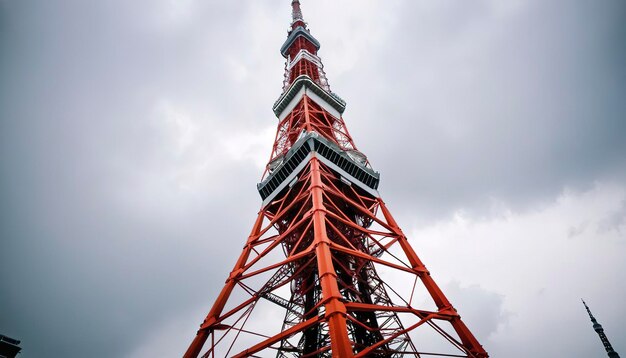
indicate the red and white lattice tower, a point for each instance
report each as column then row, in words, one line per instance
column 326, row 271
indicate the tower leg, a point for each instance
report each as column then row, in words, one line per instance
column 203, row 333
column 433, row 289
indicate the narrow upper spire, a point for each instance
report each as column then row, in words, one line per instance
column 593, row 319
column 296, row 12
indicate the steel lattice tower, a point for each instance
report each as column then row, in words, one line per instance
column 600, row 331
column 309, row 282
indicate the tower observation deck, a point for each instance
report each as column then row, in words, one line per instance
column 326, row 271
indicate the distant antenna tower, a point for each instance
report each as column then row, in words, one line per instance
column 600, row 331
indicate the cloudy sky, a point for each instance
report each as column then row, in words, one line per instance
column 132, row 134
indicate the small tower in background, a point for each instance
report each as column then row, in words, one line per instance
column 600, row 331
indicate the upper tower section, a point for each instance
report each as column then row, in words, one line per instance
column 300, row 50
column 307, row 104
column 296, row 15
column 596, row 326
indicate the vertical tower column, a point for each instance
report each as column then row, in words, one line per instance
column 334, row 307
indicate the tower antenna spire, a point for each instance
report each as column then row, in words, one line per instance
column 600, row 331
column 296, row 11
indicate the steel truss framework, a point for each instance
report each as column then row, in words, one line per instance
column 310, row 117
column 332, row 237
column 319, row 273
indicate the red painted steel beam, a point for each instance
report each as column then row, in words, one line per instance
column 435, row 292
column 335, row 309
column 196, row 345
column 282, row 335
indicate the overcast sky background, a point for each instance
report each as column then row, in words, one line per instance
column 132, row 134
